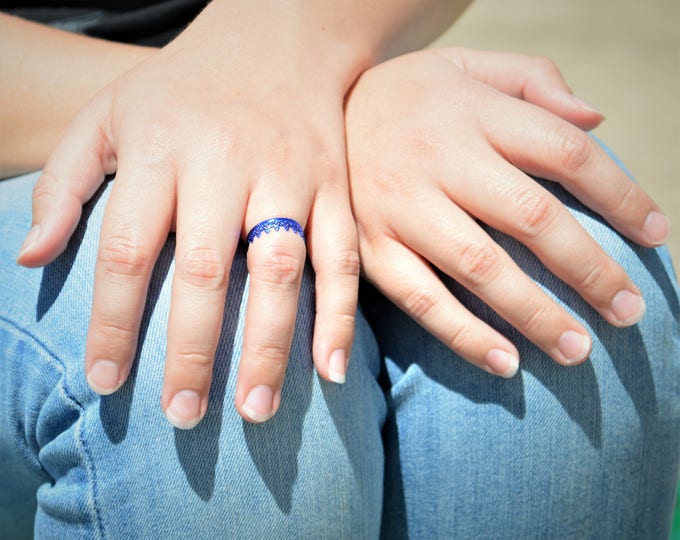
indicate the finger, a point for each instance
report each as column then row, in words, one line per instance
column 334, row 255
column 133, row 232
column 535, row 79
column 276, row 261
column 208, row 229
column 408, row 281
column 458, row 246
column 565, row 154
column 518, row 206
column 71, row 176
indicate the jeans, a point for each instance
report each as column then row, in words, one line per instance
column 416, row 444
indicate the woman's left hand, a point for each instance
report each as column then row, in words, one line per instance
column 441, row 138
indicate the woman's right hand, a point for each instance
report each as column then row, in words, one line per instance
column 439, row 138
column 208, row 137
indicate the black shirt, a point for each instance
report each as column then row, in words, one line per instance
column 144, row 22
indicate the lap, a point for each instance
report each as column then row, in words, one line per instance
column 113, row 466
column 571, row 452
column 553, row 452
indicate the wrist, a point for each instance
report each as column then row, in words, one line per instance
column 296, row 39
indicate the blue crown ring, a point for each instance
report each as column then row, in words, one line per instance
column 275, row 224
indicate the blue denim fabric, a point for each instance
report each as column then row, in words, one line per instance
column 586, row 452
column 113, row 467
column 416, row 444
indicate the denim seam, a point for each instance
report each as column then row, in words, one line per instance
column 22, row 443
column 60, row 368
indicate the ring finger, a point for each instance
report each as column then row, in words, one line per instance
column 276, row 259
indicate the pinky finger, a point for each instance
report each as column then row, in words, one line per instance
column 73, row 173
column 413, row 286
column 333, row 250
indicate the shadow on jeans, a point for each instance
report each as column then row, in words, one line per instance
column 198, row 449
column 55, row 274
column 275, row 444
column 575, row 388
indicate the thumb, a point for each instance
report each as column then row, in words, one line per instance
column 74, row 171
column 533, row 79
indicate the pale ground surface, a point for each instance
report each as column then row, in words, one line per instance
column 621, row 56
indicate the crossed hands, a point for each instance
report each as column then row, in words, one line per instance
column 434, row 141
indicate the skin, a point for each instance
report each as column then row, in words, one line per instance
column 471, row 122
column 237, row 166
column 33, row 113
column 284, row 67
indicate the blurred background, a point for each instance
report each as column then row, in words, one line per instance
column 620, row 56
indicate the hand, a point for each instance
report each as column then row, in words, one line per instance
column 438, row 138
column 210, row 143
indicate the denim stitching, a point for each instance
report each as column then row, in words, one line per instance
column 79, row 432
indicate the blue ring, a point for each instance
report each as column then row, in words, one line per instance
column 275, row 224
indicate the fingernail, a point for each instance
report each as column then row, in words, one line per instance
column 502, row 363
column 30, row 241
column 656, row 227
column 259, row 404
column 583, row 105
column 104, row 377
column 628, row 307
column 574, row 346
column 184, row 411
column 337, row 366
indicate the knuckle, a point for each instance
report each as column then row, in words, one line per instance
column 479, row 264
column 44, row 187
column 419, row 302
column 536, row 320
column 422, row 144
column 594, row 274
column 120, row 255
column 459, row 338
column 226, row 140
column 278, row 267
column 121, row 329
column 194, row 360
column 625, row 201
column 347, row 262
column 204, row 267
column 271, row 356
column 537, row 213
column 345, row 319
column 387, row 183
column 392, row 182
column 337, row 319
column 333, row 172
column 572, row 147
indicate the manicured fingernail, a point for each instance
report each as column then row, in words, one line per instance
column 628, row 307
column 30, row 241
column 502, row 363
column 574, row 346
column 583, row 105
column 656, row 227
column 337, row 366
column 104, row 377
column 259, row 404
column 184, row 411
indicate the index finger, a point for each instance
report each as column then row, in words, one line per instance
column 562, row 152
